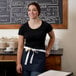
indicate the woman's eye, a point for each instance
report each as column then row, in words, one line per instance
column 32, row 10
column 29, row 10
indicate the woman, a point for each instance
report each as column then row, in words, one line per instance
column 31, row 54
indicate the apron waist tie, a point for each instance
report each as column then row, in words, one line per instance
column 28, row 49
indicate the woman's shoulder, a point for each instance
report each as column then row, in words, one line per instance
column 24, row 25
column 47, row 26
column 46, row 23
column 22, row 29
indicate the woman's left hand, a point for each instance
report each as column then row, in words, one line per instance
column 47, row 53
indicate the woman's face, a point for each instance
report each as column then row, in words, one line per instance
column 32, row 12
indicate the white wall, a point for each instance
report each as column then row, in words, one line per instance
column 8, row 33
column 67, row 38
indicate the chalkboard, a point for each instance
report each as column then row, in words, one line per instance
column 15, row 11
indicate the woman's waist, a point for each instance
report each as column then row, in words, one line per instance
column 33, row 49
column 36, row 46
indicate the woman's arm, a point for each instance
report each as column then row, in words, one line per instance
column 19, row 53
column 51, row 42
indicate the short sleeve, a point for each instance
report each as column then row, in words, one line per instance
column 21, row 30
column 49, row 28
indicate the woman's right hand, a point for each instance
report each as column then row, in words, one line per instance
column 19, row 68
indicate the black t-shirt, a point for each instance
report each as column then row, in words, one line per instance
column 35, row 38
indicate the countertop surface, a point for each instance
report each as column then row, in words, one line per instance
column 57, row 52
column 53, row 52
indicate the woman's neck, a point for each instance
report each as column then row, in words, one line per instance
column 33, row 21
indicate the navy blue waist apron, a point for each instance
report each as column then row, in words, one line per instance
column 38, row 62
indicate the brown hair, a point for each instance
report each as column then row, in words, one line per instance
column 37, row 6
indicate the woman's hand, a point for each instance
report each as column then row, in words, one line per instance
column 47, row 53
column 19, row 68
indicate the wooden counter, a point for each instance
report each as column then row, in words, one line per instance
column 52, row 62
